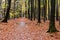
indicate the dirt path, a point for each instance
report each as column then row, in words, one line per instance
column 24, row 29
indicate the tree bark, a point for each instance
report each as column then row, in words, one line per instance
column 39, row 10
column 29, row 9
column 56, row 10
column 44, row 9
column 32, row 9
column 52, row 27
column 49, row 10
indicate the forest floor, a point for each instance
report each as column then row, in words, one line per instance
column 24, row 29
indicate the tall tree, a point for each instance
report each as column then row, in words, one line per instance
column 5, row 7
column 32, row 9
column 7, row 13
column 56, row 10
column 34, row 14
column 45, row 7
column 52, row 27
column 29, row 1
column 49, row 9
column 39, row 10
column 14, row 8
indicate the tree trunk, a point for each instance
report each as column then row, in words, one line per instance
column 49, row 10
column 14, row 9
column 28, row 14
column 45, row 7
column 39, row 21
column 29, row 9
column 8, row 10
column 52, row 27
column 34, row 13
column 32, row 9
column 56, row 10
column 59, row 20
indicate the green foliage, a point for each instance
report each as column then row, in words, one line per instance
column 21, row 6
column 4, row 6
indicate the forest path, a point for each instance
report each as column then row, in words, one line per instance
column 24, row 29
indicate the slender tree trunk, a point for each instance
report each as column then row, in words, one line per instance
column 14, row 8
column 52, row 27
column 29, row 9
column 56, row 10
column 39, row 21
column 5, row 8
column 7, row 13
column 20, row 12
column 34, row 13
column 28, row 14
column 49, row 10
column 57, row 14
column 45, row 7
column 34, row 9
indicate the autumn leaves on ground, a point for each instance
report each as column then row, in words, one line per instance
column 24, row 29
